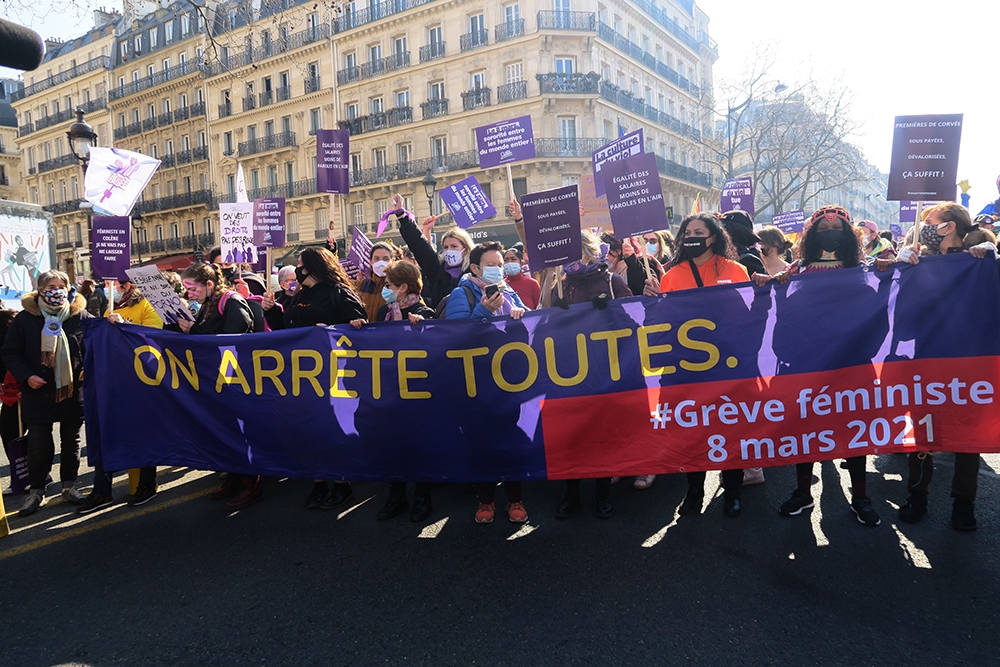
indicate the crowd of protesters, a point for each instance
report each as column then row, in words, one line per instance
column 41, row 355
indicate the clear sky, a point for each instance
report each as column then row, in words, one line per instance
column 898, row 57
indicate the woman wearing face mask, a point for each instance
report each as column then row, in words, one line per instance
column 43, row 350
column 773, row 246
column 221, row 311
column 704, row 256
column 590, row 280
column 875, row 246
column 526, row 287
column 288, row 285
column 370, row 289
column 625, row 259
column 658, row 246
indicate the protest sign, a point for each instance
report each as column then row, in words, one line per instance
column 595, row 209
column 269, row 222
column 924, row 162
column 896, row 229
column 467, row 202
column 505, row 142
column 790, row 222
column 236, row 226
column 358, row 262
column 635, row 197
column 24, row 249
column 110, row 247
column 159, row 293
column 629, row 145
column 737, row 195
column 530, row 399
column 552, row 227
column 115, row 178
column 333, row 149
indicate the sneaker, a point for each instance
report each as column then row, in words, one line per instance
column 248, row 495
column 753, row 476
column 318, row 494
column 643, row 481
column 71, row 494
column 963, row 515
column 794, row 505
column 340, row 495
column 31, row 504
column 914, row 508
column 94, row 502
column 515, row 513
column 485, row 513
column 862, row 508
column 142, row 496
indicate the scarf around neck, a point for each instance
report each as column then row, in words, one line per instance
column 55, row 347
column 396, row 308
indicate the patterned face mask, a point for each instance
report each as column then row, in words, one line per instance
column 930, row 237
column 54, row 297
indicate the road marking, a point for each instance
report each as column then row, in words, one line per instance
column 433, row 530
column 526, row 529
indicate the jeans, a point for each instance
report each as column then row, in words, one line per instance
column 102, row 480
column 42, row 451
column 963, row 485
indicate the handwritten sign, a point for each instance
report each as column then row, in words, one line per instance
column 159, row 293
column 236, row 226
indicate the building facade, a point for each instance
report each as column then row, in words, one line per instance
column 10, row 157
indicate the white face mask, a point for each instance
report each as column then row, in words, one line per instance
column 453, row 257
column 378, row 268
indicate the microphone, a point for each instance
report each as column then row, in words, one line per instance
column 20, row 48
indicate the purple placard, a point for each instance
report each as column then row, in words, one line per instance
column 333, row 148
column 896, row 229
column 924, row 161
column 269, row 222
column 467, row 202
column 635, row 196
column 111, row 247
column 628, row 145
column 907, row 211
column 552, row 227
column 791, row 222
column 358, row 262
column 737, row 195
column 504, row 142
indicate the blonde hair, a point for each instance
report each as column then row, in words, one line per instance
column 462, row 237
column 591, row 245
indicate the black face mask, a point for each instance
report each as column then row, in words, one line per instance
column 695, row 246
column 229, row 274
column 300, row 274
column 829, row 240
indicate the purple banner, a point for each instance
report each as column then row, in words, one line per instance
column 629, row 145
column 792, row 222
column 269, row 222
column 333, row 149
column 111, row 247
column 908, row 210
column 552, row 227
column 358, row 262
column 924, row 161
column 635, row 196
column 467, row 202
column 896, row 229
column 737, row 195
column 504, row 142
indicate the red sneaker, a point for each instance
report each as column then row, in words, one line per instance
column 516, row 512
column 248, row 495
column 485, row 513
column 228, row 489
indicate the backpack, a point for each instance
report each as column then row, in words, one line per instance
column 259, row 321
column 443, row 303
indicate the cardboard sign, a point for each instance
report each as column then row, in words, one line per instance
column 635, row 197
column 505, row 142
column 159, row 293
column 924, row 163
column 467, row 202
column 236, row 227
column 595, row 208
column 790, row 222
column 269, row 222
column 552, row 227
column 737, row 195
column 333, row 150
column 629, row 145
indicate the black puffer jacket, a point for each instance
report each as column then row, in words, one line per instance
column 323, row 304
column 236, row 317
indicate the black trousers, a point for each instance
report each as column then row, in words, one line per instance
column 42, row 452
column 963, row 485
column 603, row 487
column 102, row 480
column 398, row 489
column 9, row 427
column 732, row 480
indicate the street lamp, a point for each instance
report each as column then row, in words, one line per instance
column 137, row 224
column 780, row 88
column 81, row 139
column 430, row 185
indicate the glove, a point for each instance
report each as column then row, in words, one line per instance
column 560, row 303
column 905, row 254
column 600, row 301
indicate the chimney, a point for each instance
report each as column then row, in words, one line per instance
column 52, row 43
column 102, row 16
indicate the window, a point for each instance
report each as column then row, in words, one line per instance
column 374, row 53
column 166, row 105
column 183, row 99
column 356, row 164
column 255, row 179
column 351, row 110
column 138, row 45
column 268, row 128
column 434, row 35
column 439, row 146
column 404, row 153
column 190, row 227
column 166, row 64
column 402, row 99
column 227, row 143
column 376, row 105
column 75, row 187
column 399, row 46
column 153, row 151
column 185, row 25
column 286, row 124
column 567, row 134
column 135, row 116
column 321, row 220
column 289, row 172
column 315, row 120
column 477, row 25
column 514, row 72
column 175, row 230
column 251, row 132
column 570, row 180
column 272, row 175
column 436, row 91
column 381, row 207
column 158, row 233
column 511, row 13
column 564, row 67
column 168, row 33
column 359, row 215
column 206, row 226
column 123, row 51
column 168, row 147
column 202, row 138
column 609, row 130
column 477, row 80
column 231, row 184
column 350, row 60
column 379, row 159
column 648, row 95
column 152, row 39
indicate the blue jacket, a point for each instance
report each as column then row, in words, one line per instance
column 457, row 307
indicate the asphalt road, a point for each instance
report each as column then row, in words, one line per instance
column 183, row 582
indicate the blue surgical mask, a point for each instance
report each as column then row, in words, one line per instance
column 512, row 268
column 651, row 249
column 492, row 275
column 388, row 295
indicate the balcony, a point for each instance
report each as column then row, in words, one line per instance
column 567, row 146
column 249, row 103
column 512, row 91
column 348, row 75
column 64, row 245
column 311, row 85
column 283, row 93
column 276, row 47
column 56, row 163
column 268, row 143
column 168, row 160
column 200, row 153
column 54, row 119
column 566, row 21
column 675, row 28
column 94, row 105
column 161, row 77
column 225, row 109
column 165, row 119
column 636, row 105
column 182, row 113
column 569, row 84
column 62, row 77
column 508, row 30
column 378, row 121
column 189, row 155
column 120, row 133
column 434, row 108
column 621, row 42
column 133, row 129
column 196, row 198
column 388, row 64
column 292, row 237
column 148, row 124
column 473, row 40
column 432, row 51
column 64, row 207
column 689, row 174
column 303, row 188
column 4, row 180
column 197, row 109
column 25, row 129
column 475, row 99
column 374, row 12
column 265, row 98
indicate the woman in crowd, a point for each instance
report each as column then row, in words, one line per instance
column 875, row 246
column 658, row 246
column 288, row 285
column 625, row 259
column 222, row 311
column 325, row 297
column 93, row 292
column 370, row 289
column 526, row 287
column 773, row 246
column 585, row 281
column 131, row 308
column 828, row 243
column 739, row 226
column 704, row 256
column 10, row 424
column 483, row 293
column 44, row 351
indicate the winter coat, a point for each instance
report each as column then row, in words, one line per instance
column 97, row 303
column 22, row 352
column 370, row 292
column 635, row 272
column 323, row 304
column 457, row 307
column 751, row 261
column 138, row 311
column 236, row 317
column 438, row 283
column 584, row 287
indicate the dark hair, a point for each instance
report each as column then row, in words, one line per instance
column 7, row 316
column 517, row 249
column 849, row 252
column 324, row 267
column 722, row 247
column 214, row 254
column 393, row 251
column 87, row 288
column 614, row 245
column 477, row 253
column 739, row 234
column 405, row 273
